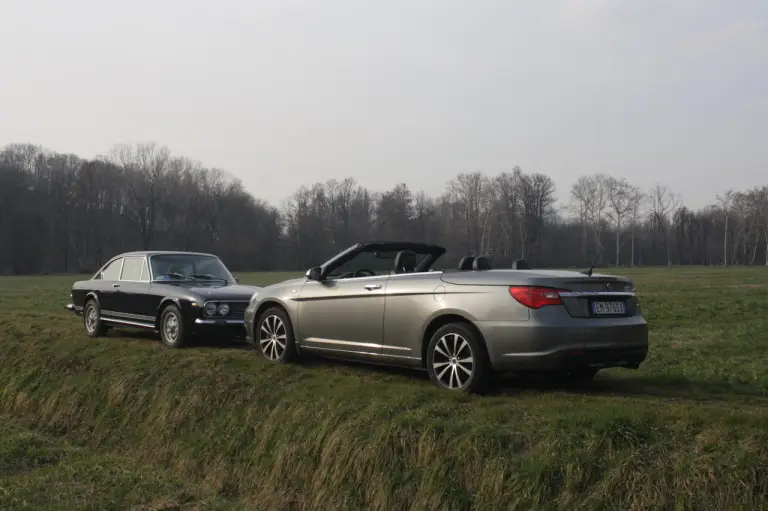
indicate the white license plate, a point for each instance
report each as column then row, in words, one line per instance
column 609, row 308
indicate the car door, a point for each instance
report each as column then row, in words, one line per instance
column 106, row 287
column 345, row 315
column 132, row 301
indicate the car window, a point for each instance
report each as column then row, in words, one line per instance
column 145, row 272
column 132, row 268
column 112, row 271
column 367, row 264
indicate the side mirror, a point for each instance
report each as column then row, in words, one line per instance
column 237, row 281
column 315, row 274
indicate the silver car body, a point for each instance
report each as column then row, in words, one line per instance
column 390, row 318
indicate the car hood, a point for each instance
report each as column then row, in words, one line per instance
column 218, row 292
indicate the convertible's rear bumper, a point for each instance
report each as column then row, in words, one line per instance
column 524, row 346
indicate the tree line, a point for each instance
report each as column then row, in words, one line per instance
column 63, row 213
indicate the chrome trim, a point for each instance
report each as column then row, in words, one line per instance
column 138, row 317
column 355, row 344
column 388, row 355
column 200, row 321
column 126, row 322
column 578, row 294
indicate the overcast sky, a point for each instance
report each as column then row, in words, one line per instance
column 282, row 92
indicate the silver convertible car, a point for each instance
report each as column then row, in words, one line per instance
column 384, row 302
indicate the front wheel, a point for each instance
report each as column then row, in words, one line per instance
column 94, row 326
column 274, row 336
column 173, row 332
column 457, row 359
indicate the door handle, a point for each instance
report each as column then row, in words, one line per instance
column 371, row 287
column 115, row 285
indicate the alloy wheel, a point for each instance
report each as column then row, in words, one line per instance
column 453, row 361
column 272, row 337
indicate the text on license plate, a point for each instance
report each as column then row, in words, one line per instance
column 600, row 308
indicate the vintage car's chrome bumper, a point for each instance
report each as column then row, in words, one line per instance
column 75, row 310
column 201, row 321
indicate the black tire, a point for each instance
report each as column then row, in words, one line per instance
column 273, row 336
column 456, row 365
column 92, row 322
column 173, row 329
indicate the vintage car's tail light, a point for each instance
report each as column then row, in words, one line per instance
column 224, row 309
column 536, row 297
column 210, row 309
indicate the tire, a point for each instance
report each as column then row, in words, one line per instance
column 92, row 322
column 173, row 330
column 457, row 359
column 273, row 336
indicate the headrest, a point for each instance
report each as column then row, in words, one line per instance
column 405, row 261
column 481, row 263
column 465, row 263
column 519, row 264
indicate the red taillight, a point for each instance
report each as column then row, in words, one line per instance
column 536, row 297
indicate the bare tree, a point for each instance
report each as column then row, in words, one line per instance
column 619, row 207
column 590, row 194
column 638, row 202
column 663, row 201
column 725, row 201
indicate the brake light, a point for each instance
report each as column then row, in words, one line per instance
column 536, row 297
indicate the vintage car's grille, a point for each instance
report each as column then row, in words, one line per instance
column 237, row 309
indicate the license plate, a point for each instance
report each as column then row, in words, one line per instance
column 609, row 308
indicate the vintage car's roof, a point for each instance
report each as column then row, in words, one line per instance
column 162, row 252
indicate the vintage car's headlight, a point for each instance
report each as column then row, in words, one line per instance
column 210, row 309
column 224, row 309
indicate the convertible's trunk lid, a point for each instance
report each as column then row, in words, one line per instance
column 582, row 291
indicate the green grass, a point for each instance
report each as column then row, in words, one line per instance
column 124, row 423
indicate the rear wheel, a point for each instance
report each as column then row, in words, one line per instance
column 457, row 359
column 94, row 327
column 173, row 332
column 274, row 336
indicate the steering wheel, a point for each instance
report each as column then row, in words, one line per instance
column 361, row 271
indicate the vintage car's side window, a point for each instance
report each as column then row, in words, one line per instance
column 132, row 268
column 112, row 271
column 145, row 272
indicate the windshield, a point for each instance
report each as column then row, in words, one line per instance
column 189, row 267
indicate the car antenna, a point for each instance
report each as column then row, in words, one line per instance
column 588, row 272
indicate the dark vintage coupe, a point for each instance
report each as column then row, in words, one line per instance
column 176, row 293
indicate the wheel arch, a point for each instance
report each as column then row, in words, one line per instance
column 267, row 304
column 163, row 304
column 440, row 321
column 91, row 295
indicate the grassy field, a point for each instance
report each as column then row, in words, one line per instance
column 124, row 423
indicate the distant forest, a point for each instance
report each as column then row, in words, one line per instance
column 62, row 213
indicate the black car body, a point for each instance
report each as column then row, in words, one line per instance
column 176, row 293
